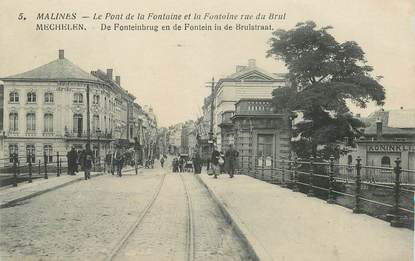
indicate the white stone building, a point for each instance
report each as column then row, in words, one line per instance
column 45, row 111
column 248, row 82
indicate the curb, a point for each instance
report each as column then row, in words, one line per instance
column 12, row 202
column 255, row 249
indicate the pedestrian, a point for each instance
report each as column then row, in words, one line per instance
column 108, row 160
column 118, row 160
column 175, row 164
column 231, row 156
column 222, row 162
column 181, row 164
column 214, row 162
column 197, row 163
column 72, row 157
column 162, row 162
column 81, row 159
column 87, row 160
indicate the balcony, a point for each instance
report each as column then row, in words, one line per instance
column 254, row 107
column 31, row 133
column 13, row 133
column 84, row 135
column 48, row 134
column 226, row 119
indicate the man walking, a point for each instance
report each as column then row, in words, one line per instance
column 118, row 160
column 108, row 159
column 162, row 162
column 72, row 161
column 87, row 159
column 214, row 162
column 230, row 159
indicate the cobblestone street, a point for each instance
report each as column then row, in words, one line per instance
column 87, row 221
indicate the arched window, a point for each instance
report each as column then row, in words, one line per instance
column 48, row 97
column 30, row 153
column 48, row 152
column 48, row 122
column 13, row 121
column 385, row 161
column 77, row 124
column 14, row 96
column 31, row 96
column 95, row 123
column 31, row 122
column 13, row 149
column 78, row 98
column 349, row 159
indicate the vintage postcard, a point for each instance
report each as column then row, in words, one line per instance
column 207, row 130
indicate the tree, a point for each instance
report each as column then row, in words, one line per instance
column 325, row 75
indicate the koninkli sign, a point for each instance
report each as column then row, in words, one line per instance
column 390, row 147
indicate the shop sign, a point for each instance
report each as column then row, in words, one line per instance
column 390, row 147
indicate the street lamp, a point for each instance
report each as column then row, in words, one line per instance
column 98, row 131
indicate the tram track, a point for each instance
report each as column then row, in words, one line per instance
column 190, row 235
column 139, row 220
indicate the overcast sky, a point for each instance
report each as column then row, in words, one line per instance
column 168, row 70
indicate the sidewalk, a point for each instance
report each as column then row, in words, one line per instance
column 12, row 195
column 279, row 224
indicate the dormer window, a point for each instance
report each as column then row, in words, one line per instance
column 78, row 98
column 31, row 97
column 14, row 96
column 49, row 97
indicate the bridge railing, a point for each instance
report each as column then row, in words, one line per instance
column 15, row 170
column 384, row 192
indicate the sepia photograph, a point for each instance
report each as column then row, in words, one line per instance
column 268, row 130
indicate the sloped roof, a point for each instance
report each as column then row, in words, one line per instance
column 394, row 122
column 59, row 69
column 248, row 71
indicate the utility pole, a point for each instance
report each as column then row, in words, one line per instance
column 88, row 122
column 212, row 100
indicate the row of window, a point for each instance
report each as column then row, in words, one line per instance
column 48, row 122
column 31, row 122
column 78, row 98
column 31, row 97
column 31, row 152
column 78, row 123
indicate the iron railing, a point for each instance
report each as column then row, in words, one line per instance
column 384, row 192
column 27, row 168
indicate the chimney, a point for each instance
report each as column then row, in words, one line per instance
column 61, row 54
column 379, row 129
column 118, row 80
column 240, row 68
column 109, row 74
column 251, row 63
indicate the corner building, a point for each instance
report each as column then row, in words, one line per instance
column 45, row 111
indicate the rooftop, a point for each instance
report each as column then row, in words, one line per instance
column 59, row 69
column 394, row 122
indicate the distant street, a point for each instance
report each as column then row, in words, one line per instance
column 155, row 215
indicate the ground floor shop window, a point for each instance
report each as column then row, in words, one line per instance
column 264, row 145
column 30, row 153
column 264, row 149
column 13, row 150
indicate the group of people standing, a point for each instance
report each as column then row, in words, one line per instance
column 181, row 163
column 220, row 162
column 85, row 159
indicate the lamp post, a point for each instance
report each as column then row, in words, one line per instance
column 98, row 131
